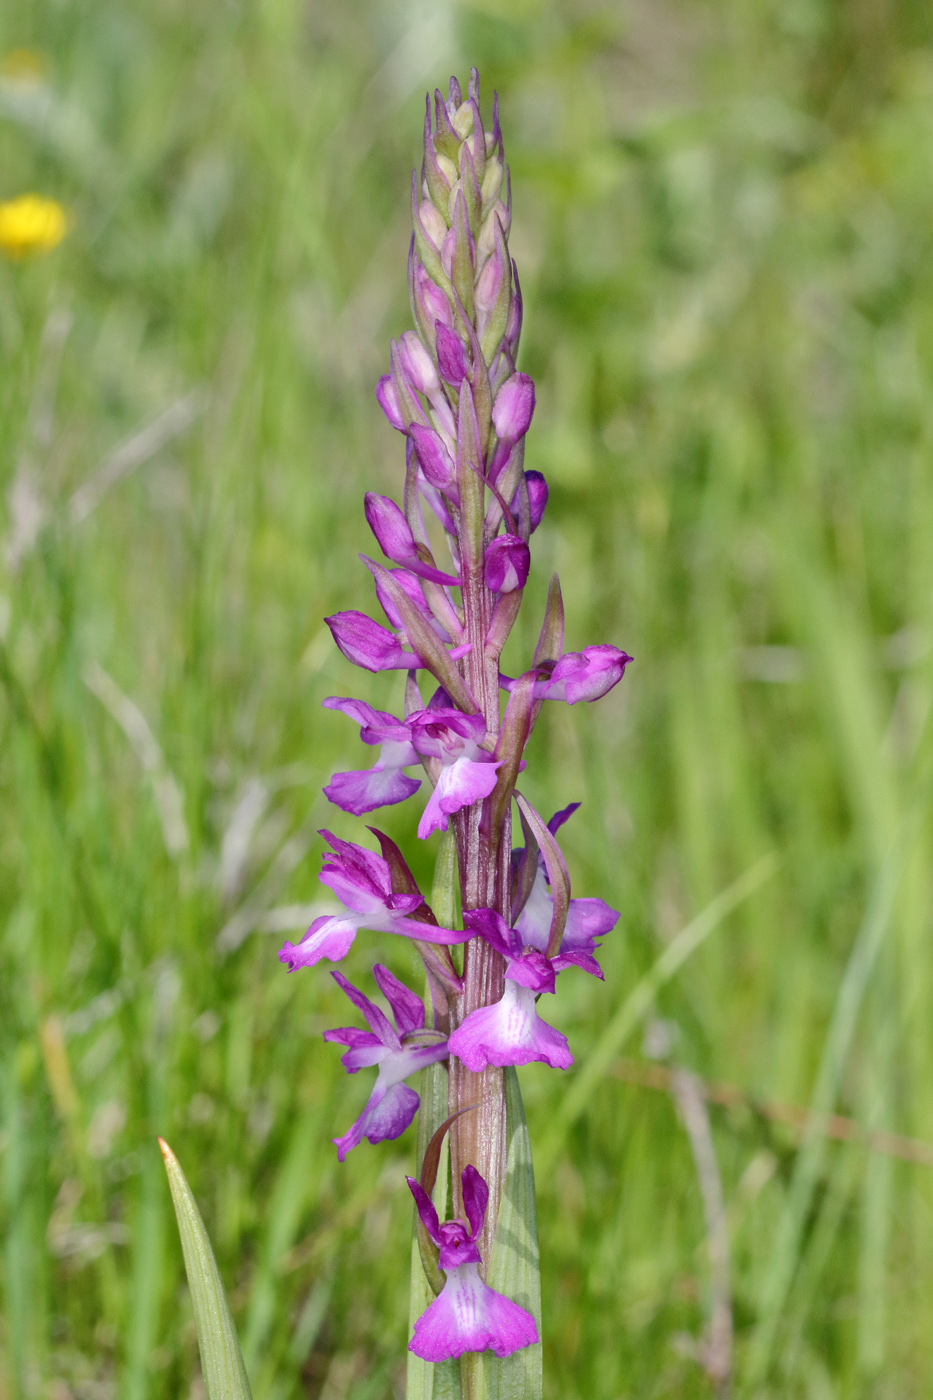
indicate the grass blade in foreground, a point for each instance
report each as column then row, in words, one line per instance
column 514, row 1268
column 221, row 1359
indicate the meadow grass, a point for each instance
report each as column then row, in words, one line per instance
column 723, row 225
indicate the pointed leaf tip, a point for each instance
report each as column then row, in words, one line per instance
column 221, row 1359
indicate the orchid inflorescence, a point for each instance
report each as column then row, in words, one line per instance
column 455, row 395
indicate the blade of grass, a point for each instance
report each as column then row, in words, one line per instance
column 221, row 1359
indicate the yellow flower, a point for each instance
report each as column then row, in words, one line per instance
column 31, row 224
column 22, row 66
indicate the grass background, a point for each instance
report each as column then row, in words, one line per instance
column 723, row 224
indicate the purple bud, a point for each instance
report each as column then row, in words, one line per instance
column 487, row 287
column 508, row 560
column 366, row 644
column 388, row 524
column 433, row 302
column 388, row 402
column 417, row 364
column 537, row 498
column 451, row 356
column 433, row 456
column 514, row 406
column 433, row 223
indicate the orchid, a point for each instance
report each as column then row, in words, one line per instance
column 398, row 1052
column 468, row 1315
column 456, row 547
column 362, row 882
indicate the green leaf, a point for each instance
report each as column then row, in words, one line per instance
column 221, row 1360
column 514, row 1268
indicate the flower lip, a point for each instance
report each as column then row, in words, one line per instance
column 445, row 733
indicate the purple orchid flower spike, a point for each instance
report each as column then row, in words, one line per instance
column 510, row 1032
column 467, row 773
column 362, row 882
column 467, row 1315
column 454, row 391
column 385, row 783
column 398, row 1052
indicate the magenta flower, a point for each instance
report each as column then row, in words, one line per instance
column 384, row 783
column 467, row 1315
column 587, row 919
column 467, row 772
column 580, row 675
column 398, row 1052
column 510, row 1032
column 362, row 882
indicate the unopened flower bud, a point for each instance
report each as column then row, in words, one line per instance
column 433, row 457
column 433, row 223
column 388, row 402
column 513, row 409
column 508, row 560
column 417, row 364
column 537, row 498
column 451, row 356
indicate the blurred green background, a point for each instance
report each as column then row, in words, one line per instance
column 724, row 225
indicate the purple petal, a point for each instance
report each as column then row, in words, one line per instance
column 559, row 818
column 509, row 1033
column 459, row 785
column 366, row 790
column 386, row 1115
column 425, row 1208
column 508, row 560
column 443, row 732
column 580, row 958
column 433, row 301
column 475, row 1198
column 407, row 1007
column 330, row 937
column 490, row 925
column 388, row 524
column 457, row 1246
column 451, row 356
column 356, row 876
column 368, row 645
column 537, row 498
column 376, row 1018
column 367, row 718
column 364, row 1051
column 417, row 364
column 433, row 818
column 434, row 459
column 587, row 919
column 353, row 1037
column 514, row 406
column 388, row 402
column 534, row 922
column 487, row 286
column 532, row 970
column 470, row 1316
